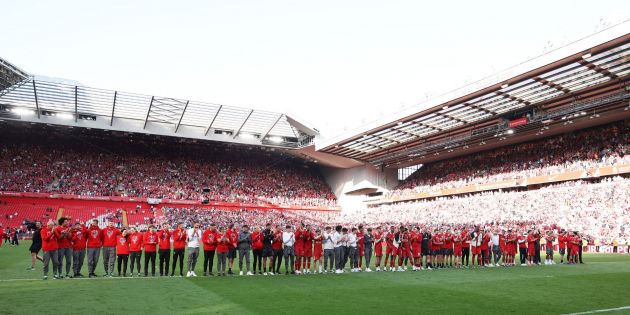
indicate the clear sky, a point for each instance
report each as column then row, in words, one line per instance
column 334, row 64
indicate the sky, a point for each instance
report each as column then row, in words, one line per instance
column 335, row 65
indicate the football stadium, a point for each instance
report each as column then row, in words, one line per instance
column 510, row 194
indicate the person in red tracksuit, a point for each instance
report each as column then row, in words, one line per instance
column 318, row 238
column 307, row 248
column 223, row 247
column 299, row 247
column 361, row 246
column 209, row 240
column 135, row 249
column 122, row 252
column 150, row 240
column 49, row 246
column 110, row 235
column 416, row 248
column 165, row 249
column 232, row 237
column 257, row 249
column 94, row 244
column 179, row 245
column 79, row 244
column 63, row 233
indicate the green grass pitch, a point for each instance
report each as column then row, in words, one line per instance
column 602, row 283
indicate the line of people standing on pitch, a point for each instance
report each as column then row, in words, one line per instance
column 71, row 244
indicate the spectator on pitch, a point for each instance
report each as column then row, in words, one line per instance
column 257, row 248
column 288, row 240
column 165, row 249
column 209, row 240
column 267, row 251
column 122, row 253
column 49, row 246
column 232, row 236
column 193, row 237
column 94, row 244
column 110, row 235
column 150, row 241
column 135, row 240
column 36, row 245
column 79, row 244
column 244, row 246
column 329, row 250
column 278, row 250
column 64, row 244
column 222, row 250
column 179, row 245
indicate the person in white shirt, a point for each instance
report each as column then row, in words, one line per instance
column 496, row 248
column 353, row 250
column 329, row 249
column 337, row 240
column 288, row 240
column 193, row 241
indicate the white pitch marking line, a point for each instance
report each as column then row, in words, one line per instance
column 602, row 310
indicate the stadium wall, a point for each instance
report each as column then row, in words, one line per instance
column 352, row 185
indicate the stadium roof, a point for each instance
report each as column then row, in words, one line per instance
column 598, row 59
column 10, row 74
column 28, row 99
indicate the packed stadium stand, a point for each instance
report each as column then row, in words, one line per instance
column 578, row 151
column 68, row 162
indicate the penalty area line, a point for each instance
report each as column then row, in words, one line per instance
column 602, row 310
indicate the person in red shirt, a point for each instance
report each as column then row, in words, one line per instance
column 94, row 244
column 209, row 240
column 150, row 241
column 466, row 239
column 110, row 235
column 63, row 233
column 416, row 248
column 437, row 241
column 135, row 249
column 521, row 239
column 457, row 249
column 448, row 248
column 531, row 247
column 257, row 248
column 485, row 252
column 298, row 247
column 122, row 252
column 361, row 246
column 276, row 245
column 165, row 249
column 378, row 247
column 404, row 248
column 179, row 245
column 79, row 244
column 318, row 249
column 562, row 244
column 232, row 236
column 223, row 247
column 390, row 249
column 307, row 248
column 49, row 246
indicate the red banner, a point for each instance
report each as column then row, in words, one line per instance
column 517, row 122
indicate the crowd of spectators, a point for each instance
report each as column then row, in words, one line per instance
column 599, row 210
column 79, row 165
column 580, row 150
